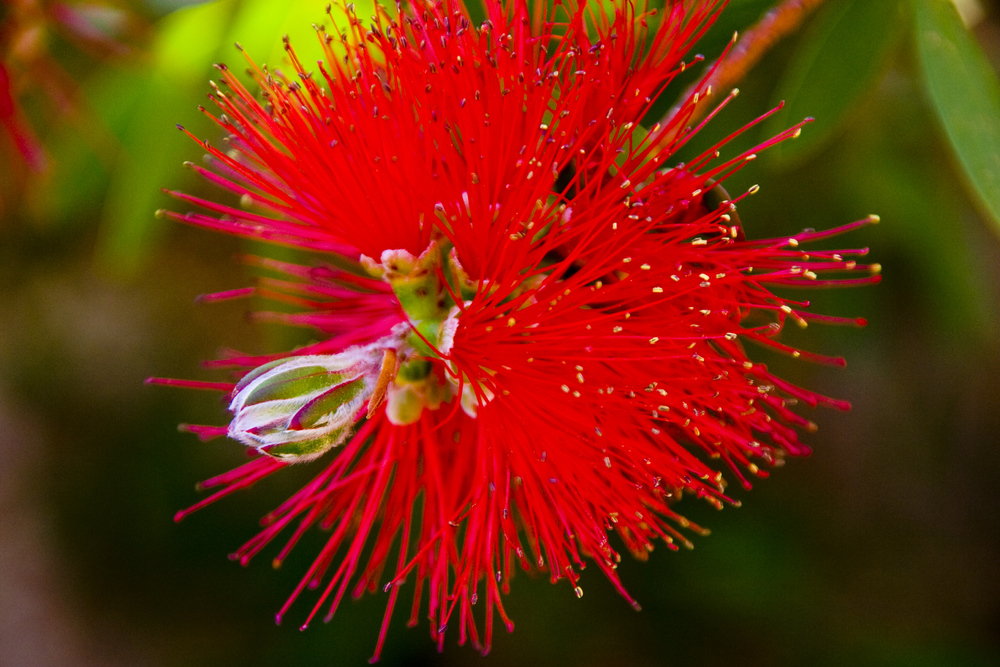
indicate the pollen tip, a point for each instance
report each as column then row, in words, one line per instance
column 179, row 127
column 874, row 218
column 875, row 268
column 276, row 563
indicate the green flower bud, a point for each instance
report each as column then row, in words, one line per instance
column 297, row 409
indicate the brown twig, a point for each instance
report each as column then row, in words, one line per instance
column 747, row 52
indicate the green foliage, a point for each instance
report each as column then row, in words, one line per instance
column 132, row 149
column 966, row 96
column 840, row 59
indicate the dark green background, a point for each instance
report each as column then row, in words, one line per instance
column 882, row 548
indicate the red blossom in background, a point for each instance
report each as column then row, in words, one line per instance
column 532, row 320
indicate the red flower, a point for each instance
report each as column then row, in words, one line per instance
column 532, row 321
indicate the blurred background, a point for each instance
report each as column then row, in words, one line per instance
column 882, row 548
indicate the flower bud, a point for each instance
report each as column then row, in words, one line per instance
column 298, row 408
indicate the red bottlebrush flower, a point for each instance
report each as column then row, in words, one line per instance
column 532, row 321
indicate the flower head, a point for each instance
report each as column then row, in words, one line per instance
column 532, row 320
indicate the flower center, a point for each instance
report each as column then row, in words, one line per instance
column 419, row 284
column 298, row 408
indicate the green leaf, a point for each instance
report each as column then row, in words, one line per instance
column 167, row 90
column 189, row 38
column 260, row 24
column 964, row 91
column 154, row 98
column 839, row 61
column 151, row 153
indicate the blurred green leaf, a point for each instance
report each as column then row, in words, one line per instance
column 840, row 60
column 150, row 148
column 152, row 153
column 166, row 6
column 260, row 24
column 965, row 94
column 189, row 38
column 152, row 99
